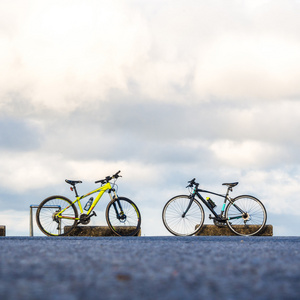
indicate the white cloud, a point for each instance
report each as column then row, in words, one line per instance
column 23, row 172
column 245, row 153
column 277, row 188
column 27, row 171
column 18, row 225
column 163, row 90
column 133, row 172
column 65, row 55
column 174, row 54
column 246, row 67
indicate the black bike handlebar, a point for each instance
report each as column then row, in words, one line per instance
column 108, row 178
column 192, row 183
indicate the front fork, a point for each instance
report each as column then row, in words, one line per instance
column 117, row 205
column 189, row 206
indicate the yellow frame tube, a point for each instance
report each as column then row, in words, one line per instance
column 101, row 191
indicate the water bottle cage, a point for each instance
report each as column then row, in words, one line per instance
column 88, row 204
column 211, row 203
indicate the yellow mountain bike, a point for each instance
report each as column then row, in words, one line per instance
column 58, row 215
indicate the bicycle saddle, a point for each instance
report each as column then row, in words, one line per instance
column 231, row 184
column 73, row 182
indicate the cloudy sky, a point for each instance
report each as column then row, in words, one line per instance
column 162, row 90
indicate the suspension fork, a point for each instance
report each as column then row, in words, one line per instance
column 118, row 207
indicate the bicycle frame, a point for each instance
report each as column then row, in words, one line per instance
column 106, row 187
column 219, row 217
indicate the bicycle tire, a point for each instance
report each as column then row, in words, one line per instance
column 174, row 221
column 46, row 220
column 255, row 220
column 127, row 223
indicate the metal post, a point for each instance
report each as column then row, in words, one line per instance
column 31, row 217
column 31, row 222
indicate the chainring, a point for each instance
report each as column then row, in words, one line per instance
column 84, row 219
column 220, row 224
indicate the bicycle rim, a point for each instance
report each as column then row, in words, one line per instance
column 47, row 220
column 173, row 216
column 123, row 217
column 253, row 222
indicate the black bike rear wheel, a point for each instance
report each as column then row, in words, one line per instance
column 123, row 217
column 52, row 225
column 179, row 224
column 252, row 222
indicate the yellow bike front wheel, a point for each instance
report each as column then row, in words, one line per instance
column 123, row 217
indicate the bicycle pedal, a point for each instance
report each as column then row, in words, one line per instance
column 93, row 214
column 210, row 217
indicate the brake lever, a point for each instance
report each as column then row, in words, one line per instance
column 117, row 174
column 191, row 182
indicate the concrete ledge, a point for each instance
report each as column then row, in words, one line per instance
column 2, row 230
column 211, row 230
column 94, row 231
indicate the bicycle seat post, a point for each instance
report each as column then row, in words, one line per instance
column 73, row 188
column 229, row 189
column 230, row 186
column 73, row 185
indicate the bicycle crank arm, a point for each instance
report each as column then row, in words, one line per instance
column 85, row 219
column 91, row 215
column 219, row 219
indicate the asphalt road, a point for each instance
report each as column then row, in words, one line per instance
column 149, row 268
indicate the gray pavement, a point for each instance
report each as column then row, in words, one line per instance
column 150, row 268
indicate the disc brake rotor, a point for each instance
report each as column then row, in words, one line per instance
column 122, row 218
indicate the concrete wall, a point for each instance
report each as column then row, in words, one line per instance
column 93, row 231
column 2, row 231
column 212, row 230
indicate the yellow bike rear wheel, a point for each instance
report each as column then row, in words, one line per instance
column 50, row 222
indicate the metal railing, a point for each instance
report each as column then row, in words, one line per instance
column 31, row 216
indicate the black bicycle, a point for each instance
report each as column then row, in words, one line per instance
column 183, row 215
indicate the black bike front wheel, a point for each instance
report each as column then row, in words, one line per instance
column 123, row 217
column 178, row 220
column 52, row 224
column 246, row 215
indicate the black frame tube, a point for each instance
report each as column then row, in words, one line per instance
column 206, row 203
column 219, row 195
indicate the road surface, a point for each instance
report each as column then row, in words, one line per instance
column 149, row 268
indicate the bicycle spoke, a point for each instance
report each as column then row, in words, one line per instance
column 250, row 223
column 48, row 220
column 126, row 221
column 178, row 223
